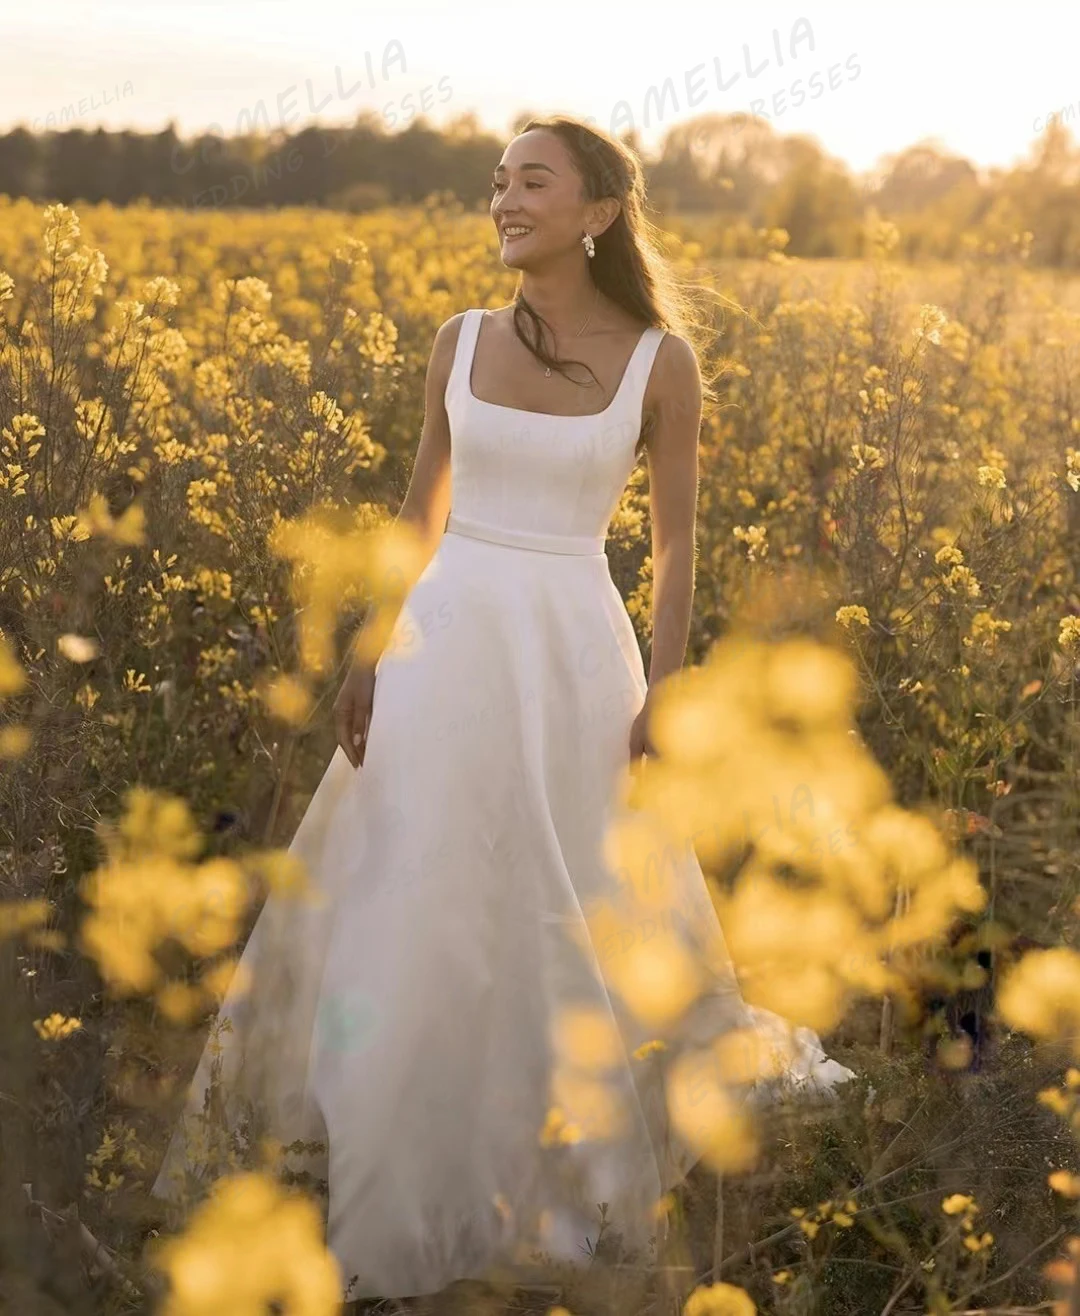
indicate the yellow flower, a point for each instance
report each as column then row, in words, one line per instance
column 719, row 1300
column 958, row 1202
column 985, row 628
column 12, row 676
column 962, row 579
column 852, row 614
column 867, row 456
column 649, row 1048
column 932, row 319
column 950, row 555
column 755, row 538
column 56, row 1026
column 96, row 519
column 558, row 1130
column 21, row 915
column 1040, row 994
column 707, row 1117
column 1056, row 1101
column 992, row 477
column 288, row 699
column 78, row 648
column 14, row 741
column 248, row 1244
column 1061, row 1181
column 586, row 1038
column 1069, row 634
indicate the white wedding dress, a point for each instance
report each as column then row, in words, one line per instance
column 406, row 1022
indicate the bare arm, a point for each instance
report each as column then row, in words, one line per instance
column 426, row 504
column 674, row 399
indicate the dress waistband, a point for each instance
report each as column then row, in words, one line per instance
column 584, row 545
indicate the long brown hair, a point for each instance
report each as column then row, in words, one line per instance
column 629, row 265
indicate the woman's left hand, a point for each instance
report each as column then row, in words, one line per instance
column 640, row 744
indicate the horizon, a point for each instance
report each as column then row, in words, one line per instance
column 835, row 72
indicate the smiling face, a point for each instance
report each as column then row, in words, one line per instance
column 538, row 202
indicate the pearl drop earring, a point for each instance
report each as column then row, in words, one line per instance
column 589, row 245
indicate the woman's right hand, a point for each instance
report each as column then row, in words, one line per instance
column 352, row 711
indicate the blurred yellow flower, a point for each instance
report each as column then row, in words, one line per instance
column 78, row 648
column 14, row 741
column 12, row 675
column 1040, row 993
column 809, row 685
column 288, row 699
column 558, row 1130
column 649, row 1048
column 719, row 1299
column 991, row 477
column 707, row 1117
column 250, row 1244
column 587, row 1038
column 1057, row 1101
column 128, row 528
column 932, row 319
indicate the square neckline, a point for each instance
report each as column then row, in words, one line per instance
column 550, row 415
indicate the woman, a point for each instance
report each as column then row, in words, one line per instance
column 458, row 832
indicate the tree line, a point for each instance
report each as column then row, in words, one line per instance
column 732, row 177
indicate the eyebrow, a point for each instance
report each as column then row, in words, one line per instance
column 500, row 169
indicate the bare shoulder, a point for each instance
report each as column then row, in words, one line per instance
column 674, row 389
column 447, row 335
column 443, row 350
column 676, row 363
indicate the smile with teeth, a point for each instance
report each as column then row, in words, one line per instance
column 515, row 231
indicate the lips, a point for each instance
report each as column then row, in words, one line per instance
column 514, row 231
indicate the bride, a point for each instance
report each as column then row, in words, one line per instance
column 413, row 1027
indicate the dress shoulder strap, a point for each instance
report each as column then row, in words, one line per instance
column 457, row 385
column 639, row 370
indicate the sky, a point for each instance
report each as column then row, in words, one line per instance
column 865, row 79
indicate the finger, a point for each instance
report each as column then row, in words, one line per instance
column 359, row 738
column 365, row 726
column 343, row 724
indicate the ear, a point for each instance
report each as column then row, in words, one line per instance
column 602, row 214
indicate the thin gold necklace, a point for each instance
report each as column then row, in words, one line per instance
column 547, row 371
